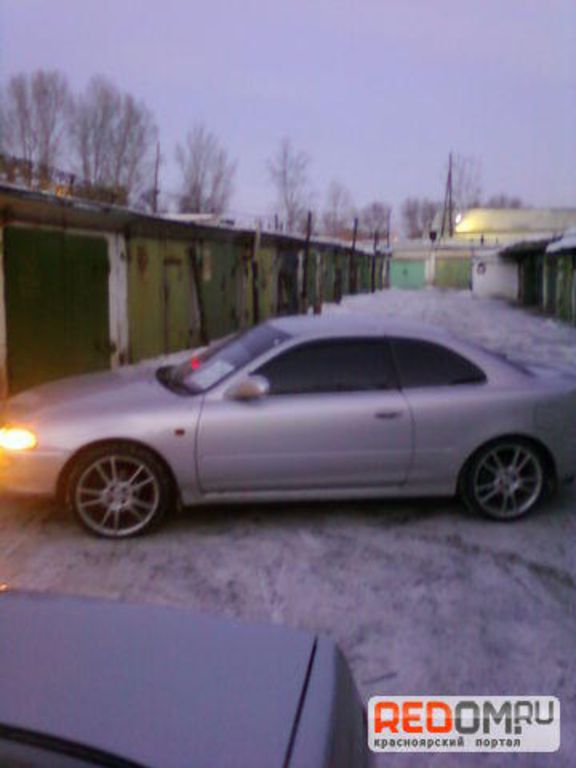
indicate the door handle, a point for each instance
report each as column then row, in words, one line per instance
column 387, row 414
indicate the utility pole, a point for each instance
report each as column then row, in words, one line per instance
column 155, row 190
column 450, row 201
column 374, row 257
column 352, row 281
column 254, row 275
column 448, row 209
column 305, row 266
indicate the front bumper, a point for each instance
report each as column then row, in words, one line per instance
column 33, row 472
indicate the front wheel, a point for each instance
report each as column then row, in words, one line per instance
column 119, row 490
column 504, row 480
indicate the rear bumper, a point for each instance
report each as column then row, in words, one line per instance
column 33, row 473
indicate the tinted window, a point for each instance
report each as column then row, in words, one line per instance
column 425, row 364
column 335, row 366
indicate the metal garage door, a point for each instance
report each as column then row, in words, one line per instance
column 452, row 272
column 56, row 289
column 407, row 273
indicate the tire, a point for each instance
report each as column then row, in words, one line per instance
column 119, row 490
column 505, row 480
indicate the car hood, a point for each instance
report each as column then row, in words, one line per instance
column 152, row 684
column 110, row 390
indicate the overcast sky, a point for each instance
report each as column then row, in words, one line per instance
column 377, row 92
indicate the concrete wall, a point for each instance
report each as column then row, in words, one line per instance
column 495, row 277
column 118, row 303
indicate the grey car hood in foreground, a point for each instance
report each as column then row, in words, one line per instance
column 163, row 687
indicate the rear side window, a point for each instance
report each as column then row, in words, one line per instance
column 426, row 364
column 346, row 365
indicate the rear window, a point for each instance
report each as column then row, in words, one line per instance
column 426, row 364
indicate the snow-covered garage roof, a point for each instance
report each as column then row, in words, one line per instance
column 566, row 243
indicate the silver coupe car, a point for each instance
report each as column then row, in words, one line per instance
column 298, row 408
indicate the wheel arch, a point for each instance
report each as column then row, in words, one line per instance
column 543, row 450
column 63, row 477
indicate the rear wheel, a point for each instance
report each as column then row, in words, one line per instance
column 505, row 480
column 119, row 490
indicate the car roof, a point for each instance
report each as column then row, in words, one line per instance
column 348, row 324
column 152, row 684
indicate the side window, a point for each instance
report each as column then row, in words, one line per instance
column 425, row 364
column 347, row 365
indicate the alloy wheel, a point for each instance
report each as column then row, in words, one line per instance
column 508, row 480
column 117, row 495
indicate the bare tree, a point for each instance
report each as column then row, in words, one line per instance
column 418, row 216
column 375, row 217
column 428, row 212
column 288, row 171
column 207, row 173
column 504, row 201
column 466, row 182
column 339, row 211
column 113, row 138
column 410, row 212
column 35, row 110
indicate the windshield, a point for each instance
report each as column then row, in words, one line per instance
column 221, row 359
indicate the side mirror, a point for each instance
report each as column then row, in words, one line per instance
column 250, row 388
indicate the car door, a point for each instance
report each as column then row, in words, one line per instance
column 334, row 419
column 450, row 404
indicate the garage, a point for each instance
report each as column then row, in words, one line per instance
column 407, row 273
column 56, row 295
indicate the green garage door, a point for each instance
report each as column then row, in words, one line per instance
column 531, row 276
column 407, row 273
column 452, row 272
column 56, row 289
column 551, row 281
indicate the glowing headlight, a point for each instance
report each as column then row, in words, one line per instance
column 17, row 439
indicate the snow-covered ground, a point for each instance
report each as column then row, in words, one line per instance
column 423, row 597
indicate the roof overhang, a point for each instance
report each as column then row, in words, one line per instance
column 22, row 205
column 566, row 243
column 525, row 248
